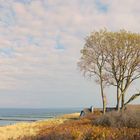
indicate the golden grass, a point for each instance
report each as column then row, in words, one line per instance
column 21, row 130
column 69, row 116
column 67, row 127
column 83, row 129
column 17, row 130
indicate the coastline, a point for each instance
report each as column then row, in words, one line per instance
column 27, row 129
column 18, row 120
column 9, row 116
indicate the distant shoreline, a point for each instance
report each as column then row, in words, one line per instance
column 13, row 116
column 17, row 120
column 64, row 116
column 24, row 120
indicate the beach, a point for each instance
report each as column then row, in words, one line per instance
column 9, row 116
column 31, row 129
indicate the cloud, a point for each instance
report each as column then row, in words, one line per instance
column 40, row 40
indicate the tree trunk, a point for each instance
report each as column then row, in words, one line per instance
column 118, row 106
column 103, row 98
column 118, row 100
column 104, row 104
column 123, row 96
column 122, row 106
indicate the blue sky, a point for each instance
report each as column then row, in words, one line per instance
column 40, row 43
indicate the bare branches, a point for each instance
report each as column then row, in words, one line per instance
column 113, row 58
column 132, row 98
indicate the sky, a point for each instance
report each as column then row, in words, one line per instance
column 40, row 43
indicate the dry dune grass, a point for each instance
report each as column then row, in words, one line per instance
column 21, row 130
column 18, row 130
column 68, row 127
column 83, row 129
column 70, row 116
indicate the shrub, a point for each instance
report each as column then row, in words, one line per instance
column 83, row 129
column 130, row 119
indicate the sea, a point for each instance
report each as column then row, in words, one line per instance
column 9, row 116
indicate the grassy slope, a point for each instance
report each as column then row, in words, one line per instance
column 83, row 129
column 67, row 127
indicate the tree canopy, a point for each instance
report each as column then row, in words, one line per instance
column 113, row 59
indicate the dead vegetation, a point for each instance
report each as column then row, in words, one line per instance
column 70, row 127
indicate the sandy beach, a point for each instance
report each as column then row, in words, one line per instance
column 20, row 130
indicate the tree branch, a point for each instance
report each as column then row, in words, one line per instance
column 132, row 98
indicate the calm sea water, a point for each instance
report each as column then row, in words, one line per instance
column 12, row 116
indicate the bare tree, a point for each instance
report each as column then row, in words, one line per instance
column 93, row 60
column 123, row 64
column 114, row 59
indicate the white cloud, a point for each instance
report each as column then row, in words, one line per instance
column 35, row 59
